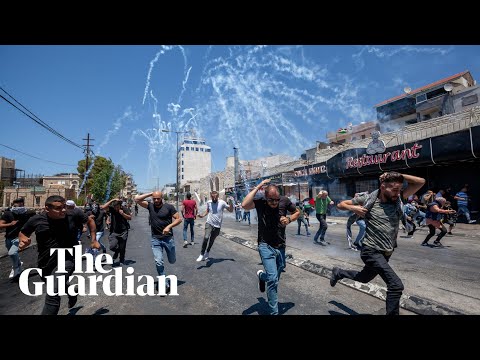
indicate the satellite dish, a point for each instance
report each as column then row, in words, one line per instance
column 407, row 89
column 448, row 87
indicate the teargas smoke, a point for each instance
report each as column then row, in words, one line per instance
column 233, row 96
column 109, row 185
column 85, row 176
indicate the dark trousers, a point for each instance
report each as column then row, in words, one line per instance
column 322, row 229
column 376, row 263
column 211, row 233
column 432, row 233
column 52, row 302
column 118, row 244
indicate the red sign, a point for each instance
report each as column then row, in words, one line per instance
column 396, row 155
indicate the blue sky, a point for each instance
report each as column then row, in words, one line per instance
column 261, row 99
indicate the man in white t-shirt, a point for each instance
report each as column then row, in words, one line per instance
column 214, row 210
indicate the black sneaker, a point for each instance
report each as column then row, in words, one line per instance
column 424, row 243
column 72, row 300
column 335, row 276
column 261, row 283
column 438, row 244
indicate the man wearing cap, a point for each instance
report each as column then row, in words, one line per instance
column 12, row 221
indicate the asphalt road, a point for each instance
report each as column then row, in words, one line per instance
column 224, row 285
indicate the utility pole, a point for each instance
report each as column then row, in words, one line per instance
column 87, row 153
column 235, row 170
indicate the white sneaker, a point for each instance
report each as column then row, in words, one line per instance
column 185, row 243
column 472, row 221
column 200, row 258
column 192, row 243
column 205, row 257
column 12, row 272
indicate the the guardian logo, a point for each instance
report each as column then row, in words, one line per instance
column 87, row 285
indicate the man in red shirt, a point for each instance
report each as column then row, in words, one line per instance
column 189, row 213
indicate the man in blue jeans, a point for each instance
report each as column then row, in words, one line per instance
column 161, row 215
column 12, row 221
column 272, row 220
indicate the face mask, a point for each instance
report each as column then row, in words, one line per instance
column 19, row 210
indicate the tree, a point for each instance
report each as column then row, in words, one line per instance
column 105, row 180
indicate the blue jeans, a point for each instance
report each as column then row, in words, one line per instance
column 274, row 262
column 99, row 235
column 462, row 209
column 12, row 247
column 361, row 233
column 186, row 222
column 157, row 248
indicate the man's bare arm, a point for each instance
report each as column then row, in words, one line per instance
column 140, row 199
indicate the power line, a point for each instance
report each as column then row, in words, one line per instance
column 21, row 152
column 37, row 119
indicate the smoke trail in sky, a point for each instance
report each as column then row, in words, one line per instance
column 109, row 185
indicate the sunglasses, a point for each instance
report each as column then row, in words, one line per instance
column 270, row 200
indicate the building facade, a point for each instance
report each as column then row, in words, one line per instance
column 194, row 160
column 69, row 181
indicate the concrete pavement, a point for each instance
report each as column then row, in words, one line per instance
column 437, row 281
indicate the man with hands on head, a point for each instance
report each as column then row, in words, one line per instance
column 119, row 216
column 272, row 220
column 214, row 210
column 161, row 215
column 382, row 211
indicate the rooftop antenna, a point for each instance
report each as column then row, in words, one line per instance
column 448, row 87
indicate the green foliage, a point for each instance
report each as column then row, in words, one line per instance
column 99, row 176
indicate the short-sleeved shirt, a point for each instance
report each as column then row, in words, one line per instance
column 189, row 209
column 8, row 216
column 462, row 195
column 160, row 218
column 215, row 212
column 99, row 219
column 321, row 205
column 119, row 223
column 61, row 233
column 270, row 230
column 383, row 224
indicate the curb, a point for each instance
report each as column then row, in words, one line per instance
column 412, row 303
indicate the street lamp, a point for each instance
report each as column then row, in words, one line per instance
column 176, row 132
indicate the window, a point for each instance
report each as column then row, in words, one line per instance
column 182, row 169
column 363, row 136
column 201, row 149
column 469, row 100
column 188, row 149
column 182, row 154
column 421, row 98
column 196, row 149
column 182, row 162
column 207, row 150
column 182, row 177
column 37, row 200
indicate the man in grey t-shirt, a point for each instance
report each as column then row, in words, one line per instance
column 214, row 210
column 382, row 213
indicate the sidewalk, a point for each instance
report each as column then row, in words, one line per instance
column 437, row 281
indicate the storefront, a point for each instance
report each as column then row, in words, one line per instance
column 448, row 160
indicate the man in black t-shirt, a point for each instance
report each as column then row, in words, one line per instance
column 160, row 216
column 12, row 221
column 119, row 216
column 272, row 220
column 98, row 215
column 55, row 228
